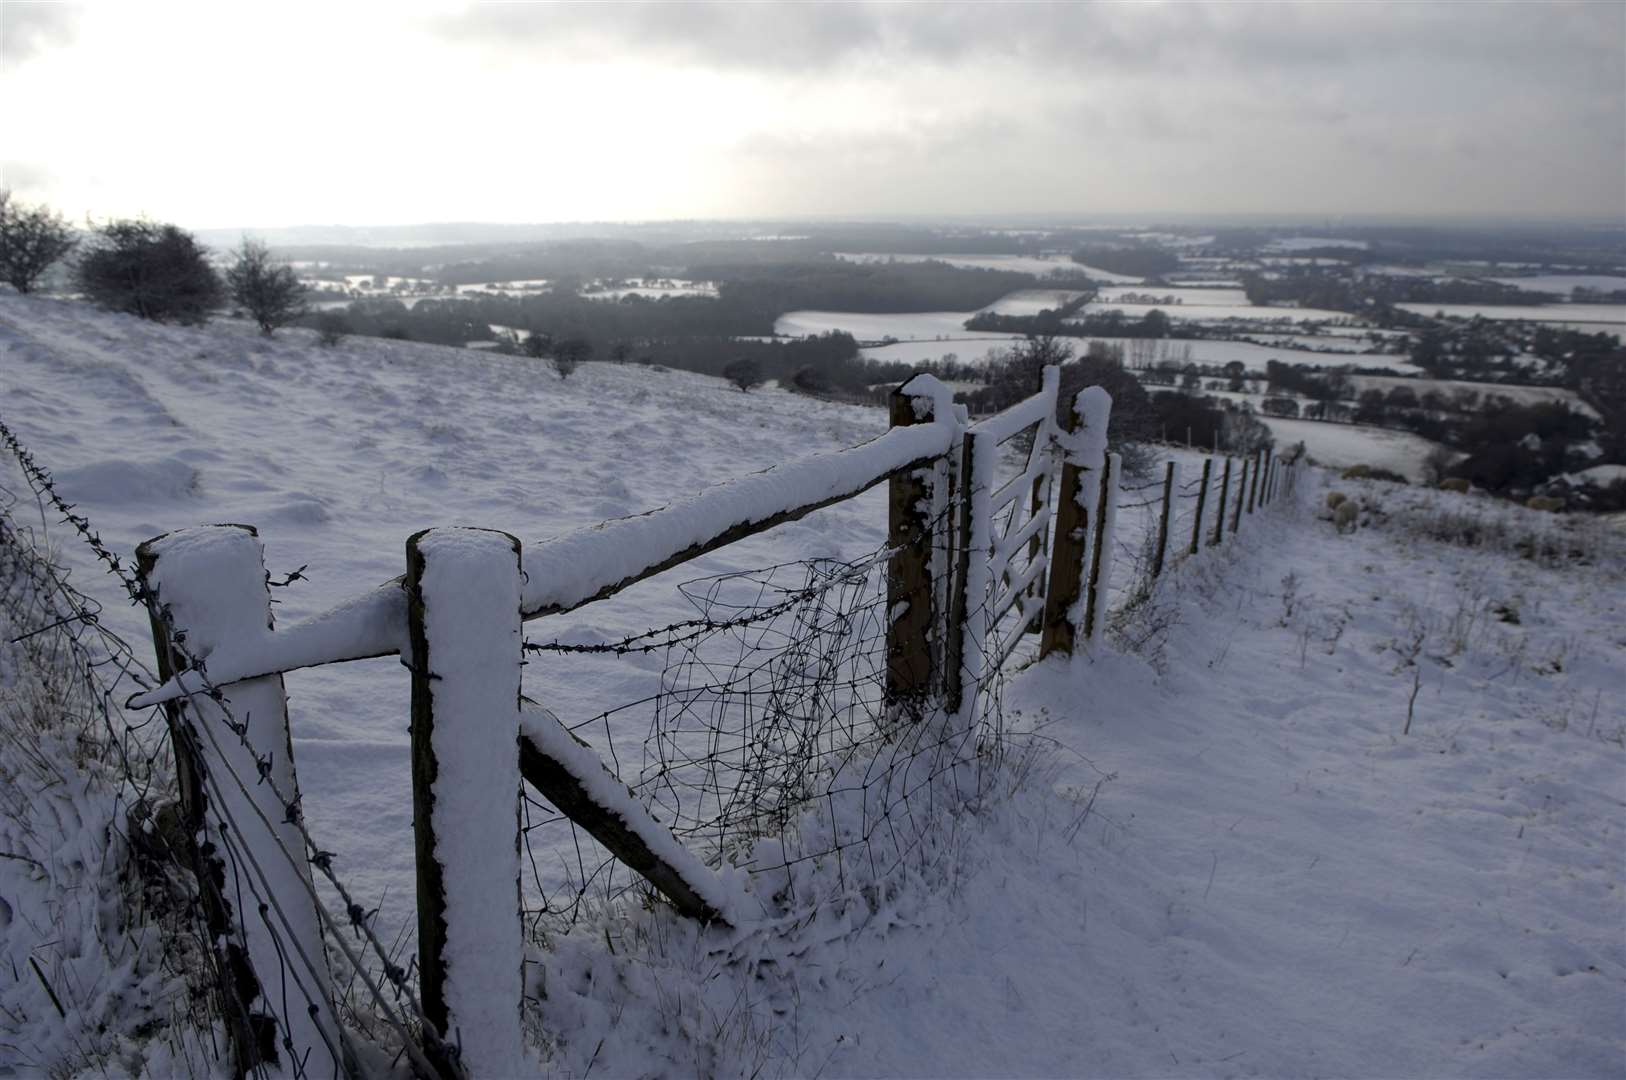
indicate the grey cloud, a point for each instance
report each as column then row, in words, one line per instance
column 27, row 29
column 1565, row 40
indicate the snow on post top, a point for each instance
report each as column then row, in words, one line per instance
column 926, row 388
column 1094, row 406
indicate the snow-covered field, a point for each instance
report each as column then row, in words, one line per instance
column 1522, row 395
column 966, row 349
column 1237, row 866
column 1169, row 296
column 868, row 326
column 1257, row 357
column 1611, row 317
column 1042, row 266
column 1032, row 301
column 1341, row 445
column 1563, row 284
column 1195, row 310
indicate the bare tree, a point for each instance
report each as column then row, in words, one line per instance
column 270, row 292
column 31, row 239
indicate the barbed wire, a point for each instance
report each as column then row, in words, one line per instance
column 411, row 1030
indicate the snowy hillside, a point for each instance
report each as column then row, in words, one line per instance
column 1216, row 854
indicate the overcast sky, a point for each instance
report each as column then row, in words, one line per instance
column 281, row 113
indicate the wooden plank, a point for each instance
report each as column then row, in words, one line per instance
column 573, row 799
column 1099, row 555
column 1066, row 554
column 909, row 592
column 486, row 997
column 1170, row 474
column 211, row 583
column 1202, row 499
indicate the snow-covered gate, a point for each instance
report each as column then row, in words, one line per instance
column 973, row 563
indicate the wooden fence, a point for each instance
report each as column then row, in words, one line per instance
column 973, row 565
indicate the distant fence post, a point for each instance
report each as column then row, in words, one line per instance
column 207, row 587
column 1106, row 518
column 1253, row 483
column 463, row 599
column 1085, row 447
column 910, row 595
column 1241, row 489
column 1202, row 499
column 1225, row 489
column 1171, row 481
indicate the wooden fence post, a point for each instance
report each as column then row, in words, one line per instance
column 463, row 599
column 1202, row 499
column 1225, row 490
column 967, row 617
column 1253, row 483
column 207, row 588
column 1241, row 489
column 1085, row 446
column 1171, row 481
column 911, row 599
column 1095, row 609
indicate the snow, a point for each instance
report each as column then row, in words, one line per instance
column 1343, row 445
column 470, row 593
column 1563, row 284
column 212, row 581
column 606, row 790
column 1522, row 395
column 1171, row 296
column 1310, row 243
column 967, row 349
column 1214, row 312
column 1043, row 266
column 1032, row 301
column 1223, row 860
column 867, row 326
column 1600, row 316
column 1252, row 356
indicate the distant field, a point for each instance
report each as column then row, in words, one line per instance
column 1039, row 265
column 869, row 326
column 1343, row 445
column 1522, row 395
column 1564, row 283
column 1576, row 314
column 1220, row 312
column 1032, row 301
column 1175, row 296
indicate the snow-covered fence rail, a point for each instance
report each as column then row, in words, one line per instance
column 973, row 563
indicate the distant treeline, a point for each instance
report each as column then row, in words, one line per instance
column 1134, row 261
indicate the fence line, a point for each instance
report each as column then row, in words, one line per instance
column 971, row 566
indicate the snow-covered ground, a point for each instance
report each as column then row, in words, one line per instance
column 1195, row 310
column 1225, row 858
column 1043, row 266
column 870, row 326
column 1166, row 295
column 1341, row 445
column 1032, row 301
column 1564, row 284
column 1610, row 317
column 1522, row 395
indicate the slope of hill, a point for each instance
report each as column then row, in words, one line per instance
column 1216, row 853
